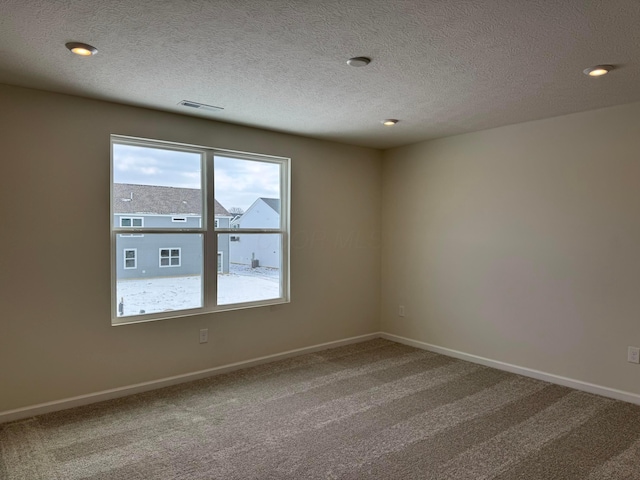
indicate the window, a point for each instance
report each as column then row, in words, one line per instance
column 234, row 238
column 132, row 222
column 181, row 266
column 170, row 257
column 130, row 259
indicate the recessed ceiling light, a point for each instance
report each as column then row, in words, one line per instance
column 390, row 122
column 598, row 70
column 359, row 61
column 81, row 49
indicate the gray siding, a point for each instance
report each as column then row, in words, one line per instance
column 161, row 221
column 223, row 246
column 148, row 255
column 147, row 248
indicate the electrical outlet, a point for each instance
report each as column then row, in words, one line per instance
column 401, row 311
column 204, row 335
column 633, row 355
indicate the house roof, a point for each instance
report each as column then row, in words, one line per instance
column 153, row 199
column 273, row 203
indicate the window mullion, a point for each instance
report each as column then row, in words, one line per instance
column 238, row 231
column 211, row 239
column 157, row 230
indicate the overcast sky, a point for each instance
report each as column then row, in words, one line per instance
column 238, row 183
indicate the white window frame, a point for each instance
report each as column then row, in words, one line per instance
column 207, row 227
column 170, row 257
column 135, row 258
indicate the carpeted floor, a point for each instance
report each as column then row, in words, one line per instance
column 374, row 410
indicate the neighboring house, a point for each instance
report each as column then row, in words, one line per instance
column 141, row 255
column 265, row 248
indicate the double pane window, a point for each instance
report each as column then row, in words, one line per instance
column 182, row 260
column 130, row 258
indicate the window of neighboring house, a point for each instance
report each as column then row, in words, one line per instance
column 130, row 258
column 132, row 222
column 234, row 238
column 164, row 180
column 170, row 257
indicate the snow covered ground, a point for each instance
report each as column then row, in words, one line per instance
column 241, row 284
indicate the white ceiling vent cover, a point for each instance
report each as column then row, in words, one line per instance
column 200, row 106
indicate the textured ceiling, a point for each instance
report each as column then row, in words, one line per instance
column 440, row 66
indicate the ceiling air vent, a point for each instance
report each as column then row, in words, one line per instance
column 200, row 106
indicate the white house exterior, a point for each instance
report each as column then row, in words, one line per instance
column 265, row 248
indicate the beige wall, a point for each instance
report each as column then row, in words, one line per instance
column 56, row 340
column 521, row 244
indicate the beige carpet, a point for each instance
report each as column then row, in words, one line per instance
column 375, row 410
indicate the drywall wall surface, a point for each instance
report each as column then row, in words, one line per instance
column 521, row 244
column 56, row 338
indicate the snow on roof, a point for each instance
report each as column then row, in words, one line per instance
column 153, row 199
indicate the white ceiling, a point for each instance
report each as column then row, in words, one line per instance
column 440, row 66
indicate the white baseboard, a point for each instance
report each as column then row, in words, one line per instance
column 30, row 411
column 39, row 409
column 527, row 372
